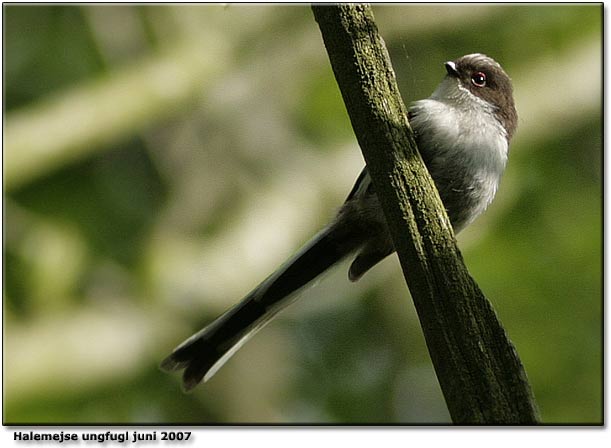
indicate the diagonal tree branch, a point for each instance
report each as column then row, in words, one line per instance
column 480, row 373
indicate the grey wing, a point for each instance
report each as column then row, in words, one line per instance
column 362, row 203
column 362, row 182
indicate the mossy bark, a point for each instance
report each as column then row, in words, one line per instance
column 480, row 373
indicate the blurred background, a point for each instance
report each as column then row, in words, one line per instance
column 160, row 161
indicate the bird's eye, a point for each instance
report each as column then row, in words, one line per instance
column 478, row 79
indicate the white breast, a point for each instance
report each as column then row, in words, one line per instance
column 465, row 148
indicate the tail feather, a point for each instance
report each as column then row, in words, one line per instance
column 206, row 351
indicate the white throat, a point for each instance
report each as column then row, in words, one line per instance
column 462, row 141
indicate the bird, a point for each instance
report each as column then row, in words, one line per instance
column 462, row 131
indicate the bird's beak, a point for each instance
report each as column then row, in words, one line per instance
column 451, row 69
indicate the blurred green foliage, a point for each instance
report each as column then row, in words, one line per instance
column 114, row 255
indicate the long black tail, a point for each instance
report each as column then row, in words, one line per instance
column 206, row 351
